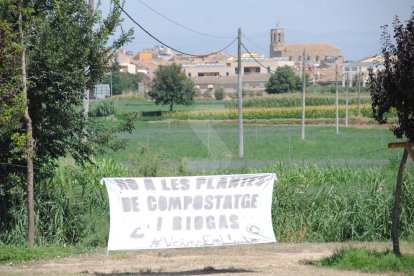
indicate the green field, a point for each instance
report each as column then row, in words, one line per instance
column 218, row 142
column 210, row 144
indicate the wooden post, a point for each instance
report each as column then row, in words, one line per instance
column 398, row 191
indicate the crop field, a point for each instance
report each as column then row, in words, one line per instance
column 263, row 144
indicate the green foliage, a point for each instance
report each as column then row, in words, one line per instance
column 333, row 204
column 72, row 207
column 393, row 86
column 12, row 142
column 369, row 261
column 62, row 38
column 268, row 113
column 11, row 254
column 124, row 82
column 295, row 99
column 103, row 109
column 219, row 94
column 316, row 88
column 146, row 163
column 171, row 86
column 283, row 80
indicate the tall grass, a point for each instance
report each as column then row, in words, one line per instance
column 271, row 113
column 336, row 204
column 339, row 204
column 310, row 203
column 295, row 99
column 71, row 207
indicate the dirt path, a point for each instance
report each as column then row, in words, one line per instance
column 266, row 259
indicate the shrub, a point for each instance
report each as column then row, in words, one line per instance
column 219, row 94
column 103, row 109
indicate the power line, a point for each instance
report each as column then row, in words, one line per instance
column 165, row 44
column 261, row 64
column 254, row 43
column 181, row 25
column 258, row 62
column 311, row 70
column 12, row 165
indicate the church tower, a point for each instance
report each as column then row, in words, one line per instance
column 277, row 42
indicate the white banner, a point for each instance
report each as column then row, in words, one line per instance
column 174, row 212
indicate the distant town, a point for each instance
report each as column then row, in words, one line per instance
column 324, row 65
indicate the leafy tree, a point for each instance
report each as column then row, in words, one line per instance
column 170, row 86
column 11, row 97
column 124, row 82
column 392, row 88
column 66, row 48
column 283, row 80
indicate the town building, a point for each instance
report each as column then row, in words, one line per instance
column 320, row 52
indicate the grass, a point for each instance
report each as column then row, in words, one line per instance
column 135, row 104
column 369, row 261
column 295, row 99
column 20, row 253
column 215, row 142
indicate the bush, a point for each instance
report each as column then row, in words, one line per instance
column 103, row 109
column 219, row 94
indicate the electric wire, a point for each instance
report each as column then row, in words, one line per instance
column 12, row 165
column 311, row 70
column 179, row 24
column 258, row 62
column 166, row 45
column 254, row 43
column 261, row 64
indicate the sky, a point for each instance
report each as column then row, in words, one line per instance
column 352, row 25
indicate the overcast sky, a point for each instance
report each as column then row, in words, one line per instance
column 353, row 25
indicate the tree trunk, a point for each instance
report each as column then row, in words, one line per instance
column 171, row 107
column 397, row 206
column 29, row 146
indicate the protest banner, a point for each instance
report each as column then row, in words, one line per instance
column 196, row 211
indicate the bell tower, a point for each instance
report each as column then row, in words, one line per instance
column 277, row 41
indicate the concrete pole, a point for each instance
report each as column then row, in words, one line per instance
column 240, row 95
column 85, row 99
column 303, row 93
column 336, row 99
column 359, row 89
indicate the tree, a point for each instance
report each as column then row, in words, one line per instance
column 170, row 86
column 59, row 40
column 124, row 82
column 283, row 80
column 11, row 96
column 392, row 88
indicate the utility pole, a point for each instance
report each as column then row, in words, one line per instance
column 359, row 89
column 85, row 99
column 240, row 95
column 303, row 93
column 336, row 98
column 347, row 94
column 110, row 89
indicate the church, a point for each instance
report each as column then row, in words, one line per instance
column 315, row 53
